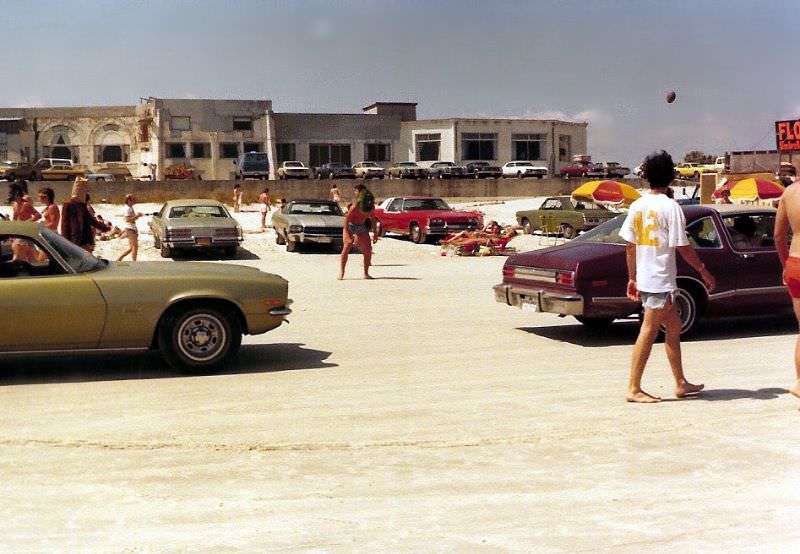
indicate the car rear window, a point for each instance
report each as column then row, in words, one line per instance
column 607, row 232
column 412, row 204
column 197, row 211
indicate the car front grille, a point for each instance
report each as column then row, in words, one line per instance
column 327, row 231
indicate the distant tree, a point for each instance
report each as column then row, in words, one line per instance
column 698, row 157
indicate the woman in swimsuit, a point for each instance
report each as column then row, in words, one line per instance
column 357, row 224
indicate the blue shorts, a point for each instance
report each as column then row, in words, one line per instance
column 655, row 300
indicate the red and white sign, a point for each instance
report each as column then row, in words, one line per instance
column 787, row 135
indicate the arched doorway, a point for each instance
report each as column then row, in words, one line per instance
column 59, row 144
column 112, row 153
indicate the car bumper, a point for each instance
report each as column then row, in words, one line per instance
column 262, row 322
column 538, row 300
column 319, row 239
column 202, row 242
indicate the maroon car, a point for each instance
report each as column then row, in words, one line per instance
column 422, row 217
column 576, row 169
column 586, row 277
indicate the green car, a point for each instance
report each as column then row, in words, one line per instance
column 60, row 297
column 563, row 215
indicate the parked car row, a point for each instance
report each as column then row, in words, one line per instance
column 589, row 170
column 58, row 169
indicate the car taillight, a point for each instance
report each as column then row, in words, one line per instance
column 226, row 232
column 179, row 233
column 566, row 278
column 508, row 272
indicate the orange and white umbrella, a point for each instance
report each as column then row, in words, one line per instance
column 606, row 191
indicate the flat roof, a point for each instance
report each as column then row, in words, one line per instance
column 374, row 104
column 455, row 119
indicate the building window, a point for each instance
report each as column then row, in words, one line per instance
column 180, row 123
column 229, row 150
column 564, row 148
column 252, row 147
column 479, row 146
column 324, row 153
column 242, row 124
column 176, row 150
column 528, row 146
column 285, row 152
column 427, row 146
column 201, row 150
column 60, row 152
column 112, row 153
column 381, row 152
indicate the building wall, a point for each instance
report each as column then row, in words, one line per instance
column 211, row 123
column 452, row 130
column 357, row 130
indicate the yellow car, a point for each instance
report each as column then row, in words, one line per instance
column 688, row 170
column 15, row 170
column 56, row 169
column 60, row 297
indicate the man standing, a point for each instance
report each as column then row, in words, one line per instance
column 77, row 222
column 654, row 230
column 131, row 230
column 789, row 218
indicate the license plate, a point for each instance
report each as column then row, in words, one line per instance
column 531, row 306
column 203, row 242
column 323, row 239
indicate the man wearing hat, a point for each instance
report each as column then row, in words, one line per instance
column 77, row 221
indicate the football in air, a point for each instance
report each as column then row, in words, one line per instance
column 671, row 96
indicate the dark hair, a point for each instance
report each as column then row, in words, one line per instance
column 23, row 184
column 266, row 189
column 15, row 192
column 48, row 192
column 237, row 186
column 364, row 199
column 659, row 170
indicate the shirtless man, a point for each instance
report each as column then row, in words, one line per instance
column 655, row 230
column 789, row 218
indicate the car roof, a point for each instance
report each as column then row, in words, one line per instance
column 193, row 202
column 19, row 227
column 418, row 197
column 311, row 200
column 699, row 210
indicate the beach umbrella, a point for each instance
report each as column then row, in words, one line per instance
column 751, row 189
column 606, row 191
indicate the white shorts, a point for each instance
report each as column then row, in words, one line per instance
column 655, row 300
column 264, row 208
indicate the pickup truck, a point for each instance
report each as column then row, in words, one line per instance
column 563, row 215
column 717, row 167
column 607, row 170
column 688, row 170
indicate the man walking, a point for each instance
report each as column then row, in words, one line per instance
column 654, row 230
column 788, row 218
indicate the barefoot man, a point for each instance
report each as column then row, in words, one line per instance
column 654, row 230
column 789, row 218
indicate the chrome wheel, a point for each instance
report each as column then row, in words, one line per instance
column 686, row 305
column 202, row 337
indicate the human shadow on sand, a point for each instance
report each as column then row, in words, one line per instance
column 212, row 254
column 118, row 366
column 624, row 332
column 739, row 394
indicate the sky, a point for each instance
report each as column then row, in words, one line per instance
column 610, row 63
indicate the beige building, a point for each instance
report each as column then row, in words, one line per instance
column 209, row 135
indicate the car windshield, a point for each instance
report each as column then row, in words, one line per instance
column 607, row 233
column 197, row 211
column 313, row 208
column 413, row 204
column 369, row 164
column 75, row 256
column 293, row 164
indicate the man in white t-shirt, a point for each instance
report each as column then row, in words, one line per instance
column 654, row 230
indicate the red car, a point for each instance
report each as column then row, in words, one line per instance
column 422, row 217
column 576, row 169
column 586, row 277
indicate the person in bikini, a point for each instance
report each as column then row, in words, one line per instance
column 50, row 213
column 357, row 225
column 237, row 198
column 654, row 230
column 786, row 221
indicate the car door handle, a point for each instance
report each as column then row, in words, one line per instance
column 748, row 256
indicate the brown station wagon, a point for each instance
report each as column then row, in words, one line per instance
column 586, row 277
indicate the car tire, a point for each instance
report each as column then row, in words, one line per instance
column 595, row 323
column 527, row 228
column 567, row 231
column 379, row 229
column 197, row 339
column 417, row 234
column 519, row 175
column 166, row 251
column 696, row 175
column 688, row 301
column 230, row 251
column 11, row 177
column 279, row 240
column 291, row 245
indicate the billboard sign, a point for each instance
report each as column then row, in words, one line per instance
column 787, row 135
